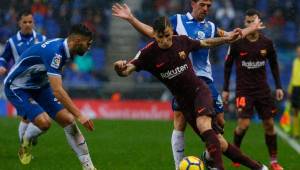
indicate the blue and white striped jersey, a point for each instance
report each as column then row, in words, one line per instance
column 40, row 60
column 17, row 44
column 187, row 25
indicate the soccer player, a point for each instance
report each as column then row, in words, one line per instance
column 294, row 93
column 15, row 46
column 251, row 55
column 195, row 26
column 167, row 59
column 34, row 87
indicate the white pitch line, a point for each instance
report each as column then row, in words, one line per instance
column 292, row 142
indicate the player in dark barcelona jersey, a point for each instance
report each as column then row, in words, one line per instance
column 167, row 59
column 251, row 55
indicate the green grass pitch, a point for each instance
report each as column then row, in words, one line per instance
column 126, row 145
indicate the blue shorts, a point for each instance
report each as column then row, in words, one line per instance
column 32, row 102
column 218, row 104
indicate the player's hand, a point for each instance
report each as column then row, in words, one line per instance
column 225, row 97
column 86, row 122
column 120, row 66
column 2, row 71
column 233, row 36
column 257, row 24
column 121, row 11
column 279, row 94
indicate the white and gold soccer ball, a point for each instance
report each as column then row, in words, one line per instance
column 191, row 163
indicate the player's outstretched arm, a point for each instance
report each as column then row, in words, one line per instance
column 123, row 68
column 64, row 98
column 124, row 12
column 210, row 42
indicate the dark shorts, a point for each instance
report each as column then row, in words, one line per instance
column 217, row 100
column 263, row 103
column 30, row 103
column 202, row 105
column 295, row 98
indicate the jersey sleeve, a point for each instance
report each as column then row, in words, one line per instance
column 6, row 55
column 272, row 57
column 140, row 59
column 53, row 62
column 173, row 20
column 190, row 44
column 228, row 67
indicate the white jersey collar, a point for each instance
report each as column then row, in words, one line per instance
column 20, row 38
column 190, row 17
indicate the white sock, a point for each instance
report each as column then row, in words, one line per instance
column 177, row 142
column 31, row 132
column 78, row 144
column 22, row 128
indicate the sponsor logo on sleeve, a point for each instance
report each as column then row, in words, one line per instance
column 56, row 61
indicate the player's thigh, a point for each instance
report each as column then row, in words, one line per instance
column 244, row 106
column 265, row 106
column 43, row 121
column 46, row 99
column 26, row 106
column 268, row 125
column 243, row 123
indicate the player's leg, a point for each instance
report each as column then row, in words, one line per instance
column 217, row 101
column 266, row 109
column 27, row 108
column 22, row 128
column 75, row 138
column 177, row 139
column 234, row 154
column 240, row 131
column 66, row 120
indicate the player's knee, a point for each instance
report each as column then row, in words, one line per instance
column 269, row 127
column 44, row 124
column 223, row 143
column 203, row 123
column 179, row 121
column 69, row 119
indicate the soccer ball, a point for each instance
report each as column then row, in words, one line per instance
column 191, row 163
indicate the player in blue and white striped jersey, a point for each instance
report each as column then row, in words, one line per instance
column 34, row 87
column 15, row 46
column 195, row 26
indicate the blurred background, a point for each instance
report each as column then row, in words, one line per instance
column 91, row 77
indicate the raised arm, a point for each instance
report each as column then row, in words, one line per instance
column 210, row 42
column 124, row 12
column 123, row 68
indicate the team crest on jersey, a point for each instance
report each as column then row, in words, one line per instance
column 263, row 52
column 56, row 61
column 201, row 35
column 182, row 55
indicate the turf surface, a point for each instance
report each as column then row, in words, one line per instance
column 126, row 145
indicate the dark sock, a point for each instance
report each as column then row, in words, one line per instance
column 271, row 143
column 213, row 148
column 236, row 155
column 237, row 138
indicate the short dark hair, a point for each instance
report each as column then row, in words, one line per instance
column 251, row 12
column 160, row 24
column 25, row 12
column 81, row 29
